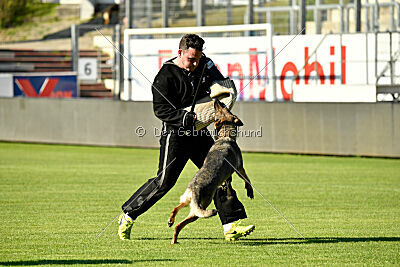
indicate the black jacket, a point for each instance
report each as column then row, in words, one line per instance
column 174, row 89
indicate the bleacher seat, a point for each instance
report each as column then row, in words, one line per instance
column 24, row 60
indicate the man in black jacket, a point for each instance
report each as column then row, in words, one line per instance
column 174, row 89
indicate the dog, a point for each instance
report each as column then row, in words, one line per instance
column 223, row 159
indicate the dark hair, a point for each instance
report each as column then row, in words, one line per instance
column 191, row 40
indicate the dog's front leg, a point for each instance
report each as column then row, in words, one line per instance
column 242, row 174
column 191, row 218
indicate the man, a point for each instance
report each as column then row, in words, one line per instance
column 174, row 88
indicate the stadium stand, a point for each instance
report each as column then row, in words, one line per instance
column 24, row 60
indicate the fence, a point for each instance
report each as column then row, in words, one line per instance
column 339, row 16
column 373, row 16
column 96, row 75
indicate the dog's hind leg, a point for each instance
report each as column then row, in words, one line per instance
column 191, row 218
column 174, row 212
column 184, row 202
column 242, row 174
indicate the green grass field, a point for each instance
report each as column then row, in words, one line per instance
column 56, row 199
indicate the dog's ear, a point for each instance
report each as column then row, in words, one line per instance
column 237, row 121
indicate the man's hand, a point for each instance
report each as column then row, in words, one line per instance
column 189, row 119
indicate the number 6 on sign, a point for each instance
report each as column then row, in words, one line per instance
column 87, row 68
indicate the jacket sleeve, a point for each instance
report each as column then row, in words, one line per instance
column 211, row 74
column 213, row 71
column 164, row 102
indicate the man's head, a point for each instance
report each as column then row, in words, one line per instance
column 190, row 51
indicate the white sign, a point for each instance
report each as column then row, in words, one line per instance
column 348, row 59
column 6, row 85
column 229, row 54
column 334, row 93
column 87, row 68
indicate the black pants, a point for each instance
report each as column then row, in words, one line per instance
column 176, row 149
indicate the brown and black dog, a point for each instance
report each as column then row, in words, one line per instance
column 223, row 159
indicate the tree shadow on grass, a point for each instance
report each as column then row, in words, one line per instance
column 315, row 240
column 76, row 262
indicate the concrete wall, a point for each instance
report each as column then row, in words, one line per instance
column 371, row 129
column 324, row 128
column 76, row 121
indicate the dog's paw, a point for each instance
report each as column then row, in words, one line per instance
column 173, row 242
column 170, row 223
column 249, row 190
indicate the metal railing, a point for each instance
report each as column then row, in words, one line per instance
column 117, row 66
column 370, row 10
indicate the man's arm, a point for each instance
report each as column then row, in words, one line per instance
column 213, row 71
column 164, row 104
column 211, row 75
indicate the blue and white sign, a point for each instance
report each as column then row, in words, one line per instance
column 42, row 85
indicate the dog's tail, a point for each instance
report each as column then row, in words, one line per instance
column 197, row 210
